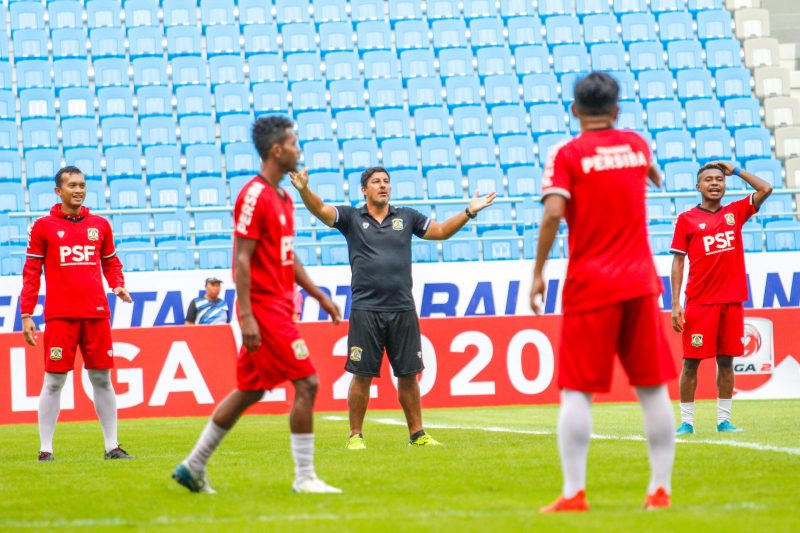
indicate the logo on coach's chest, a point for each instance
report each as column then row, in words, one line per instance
column 93, row 234
column 365, row 225
column 397, row 224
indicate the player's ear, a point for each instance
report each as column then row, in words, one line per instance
column 573, row 109
column 615, row 113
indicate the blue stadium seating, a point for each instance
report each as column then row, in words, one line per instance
column 767, row 169
column 684, row 54
column 107, row 43
column 437, row 152
column 515, row 150
column 321, row 155
column 547, row 118
column 523, row 31
column 455, row 62
column 694, row 83
column 501, row 89
column 508, row 120
column 145, row 41
column 212, row 225
column 469, row 120
column 783, row 235
column 213, row 12
column 137, row 13
column 77, row 132
column 723, row 53
column 341, row 66
column 8, row 105
column 8, row 135
column 296, row 38
column 608, row 56
column 328, row 11
column 656, row 85
column 463, row 90
column 123, row 161
column 308, row 96
column 675, row 26
column 423, row 92
column 638, row 27
column 714, row 24
column 333, row 249
column 207, row 192
column 646, row 55
column 127, row 193
column 664, row 115
column 260, row 38
column 752, row 143
column 114, row 101
column 385, row 93
column 673, row 145
column 176, row 255
column 230, row 68
column 30, row 44
column 65, row 15
column 431, row 122
column 359, row 154
column 231, row 98
column 201, row 161
column 540, row 88
column 417, row 64
column 380, row 64
column 103, row 13
column 12, row 194
column 477, row 151
column 407, row 185
column 444, row 183
column 353, row 124
column 26, row 15
column 742, row 112
column 703, row 113
column 288, row 11
column 524, row 181
column 36, row 103
column 600, row 28
column 713, row 145
column 154, row 101
column 158, row 130
column 235, row 128
column 680, row 175
column 254, row 12
column 411, row 34
column 660, row 234
column 777, row 206
column 314, row 125
column 391, row 123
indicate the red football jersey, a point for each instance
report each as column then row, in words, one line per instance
column 713, row 242
column 262, row 214
column 73, row 250
column 603, row 175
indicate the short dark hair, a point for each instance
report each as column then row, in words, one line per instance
column 367, row 174
column 70, row 169
column 269, row 131
column 708, row 166
column 596, row 94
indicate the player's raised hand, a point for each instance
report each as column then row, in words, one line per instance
column 123, row 294
column 479, row 203
column 677, row 318
column 537, row 294
column 299, row 179
column 251, row 336
column 331, row 308
column 29, row 330
column 726, row 166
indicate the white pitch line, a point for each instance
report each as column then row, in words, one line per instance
column 496, row 429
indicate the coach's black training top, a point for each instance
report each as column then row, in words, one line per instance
column 380, row 255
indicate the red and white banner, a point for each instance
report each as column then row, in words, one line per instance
column 187, row 370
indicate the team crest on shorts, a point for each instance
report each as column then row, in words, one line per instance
column 355, row 353
column 55, row 354
column 697, row 340
column 730, row 219
column 397, row 224
column 300, row 349
column 93, row 234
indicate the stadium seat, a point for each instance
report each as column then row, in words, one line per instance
column 212, row 225
column 35, row 103
column 474, row 9
column 145, row 41
column 154, row 101
column 742, row 112
column 539, row 88
column 314, row 125
column 631, row 116
column 103, row 13
column 600, row 28
column 656, row 85
column 26, row 15
column 424, row 92
column 500, row 244
column 493, row 61
column 76, row 132
column 131, row 227
column 177, row 255
column 137, row 13
column 321, row 155
column 714, row 24
column 411, row 35
column 431, row 122
column 203, row 160
column 288, row 11
column 659, row 209
column 167, row 192
column 171, row 225
column 680, row 176
column 392, row 123
column 329, row 11
column 783, row 235
column 183, row 41
column 260, row 38
column 443, row 9
column 149, row 71
column 694, row 83
column 416, row 64
column 662, row 6
column 333, row 249
column 127, row 193
column 297, row 38
column 136, row 256
column 39, row 133
column 570, row 58
column 660, row 234
column 547, row 118
column 638, row 27
column 767, row 169
column 193, row 100
column 684, row 54
column 32, row 73
column 8, row 135
column 532, row 59
column 385, row 93
column 529, row 212
column 703, row 113
column 158, row 130
column 308, row 96
column 107, row 43
column 664, row 115
column 213, row 12
column 230, row 68
column 752, row 236
column 713, row 145
column 463, row 90
column 122, row 162
column 8, row 105
column 236, row 128
column 460, row 247
column 486, row 32
column 328, row 185
column 477, row 151
column 241, row 158
column 752, row 143
column 673, row 145
column 373, row 35
column 231, row 98
column 114, row 101
column 508, row 120
column 723, row 53
column 341, row 66
column 516, row 150
column 523, row 31
column 42, row 197
column 359, row 154
column 77, row 102
column 380, row 64
column 70, row 73
column 683, row 204
column 30, row 44
column 777, row 206
column 646, row 55
column 469, row 120
column 65, row 15
column 335, row 36
column 13, row 231
column 524, row 181
column 86, row 159
column 207, row 192
column 254, row 12
column 12, row 194
column 562, row 29
column 437, row 152
column 568, row 81
column 486, row 179
column 449, row 33
column 214, row 253
column 407, row 184
column 455, row 62
column 608, row 56
column 353, row 124
column 270, row 98
column 444, row 183
column 347, row 94
column 675, row 26
column 424, row 251
column 501, row 89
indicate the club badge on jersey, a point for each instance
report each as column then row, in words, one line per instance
column 93, row 234
column 729, row 218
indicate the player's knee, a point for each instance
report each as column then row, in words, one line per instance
column 101, row 379
column 690, row 367
column 307, row 388
column 725, row 363
column 53, row 382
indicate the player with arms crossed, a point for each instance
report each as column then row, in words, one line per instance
column 265, row 271
column 610, row 300
column 713, row 323
column 76, row 249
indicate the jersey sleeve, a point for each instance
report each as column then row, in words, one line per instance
column 419, row 223
column 680, row 244
column 556, row 177
column 32, row 271
column 745, row 208
column 191, row 313
column 344, row 218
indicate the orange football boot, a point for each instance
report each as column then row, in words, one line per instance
column 658, row 500
column 577, row 503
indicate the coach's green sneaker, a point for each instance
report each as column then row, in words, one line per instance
column 356, row 442
column 726, row 427
column 118, row 453
column 424, row 440
column 685, row 429
column 46, row 457
column 313, row 485
column 195, row 482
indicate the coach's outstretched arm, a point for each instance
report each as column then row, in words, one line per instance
column 554, row 207
column 762, row 187
column 313, row 202
column 302, row 278
column 440, row 231
column 251, row 337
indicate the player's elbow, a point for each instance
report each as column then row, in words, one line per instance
column 767, row 190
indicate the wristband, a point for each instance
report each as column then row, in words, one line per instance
column 470, row 214
column 737, row 171
column 25, row 315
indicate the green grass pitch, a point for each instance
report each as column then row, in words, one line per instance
column 498, row 466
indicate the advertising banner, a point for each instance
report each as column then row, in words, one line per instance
column 481, row 361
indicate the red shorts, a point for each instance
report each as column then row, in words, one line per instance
column 632, row 329
column 63, row 336
column 713, row 329
column 282, row 355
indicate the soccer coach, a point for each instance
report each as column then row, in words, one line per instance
column 383, row 314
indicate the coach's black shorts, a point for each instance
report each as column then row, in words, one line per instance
column 373, row 331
